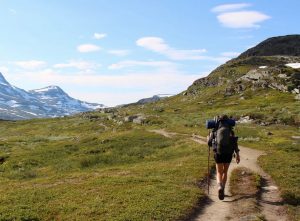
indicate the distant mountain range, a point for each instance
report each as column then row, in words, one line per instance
column 51, row 101
column 147, row 100
column 153, row 99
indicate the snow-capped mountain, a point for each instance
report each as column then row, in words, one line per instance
column 56, row 97
column 52, row 101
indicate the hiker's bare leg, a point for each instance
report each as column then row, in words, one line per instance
column 224, row 175
column 220, row 174
column 220, row 171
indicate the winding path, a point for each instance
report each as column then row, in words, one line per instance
column 217, row 210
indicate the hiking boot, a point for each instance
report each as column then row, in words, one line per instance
column 223, row 187
column 221, row 193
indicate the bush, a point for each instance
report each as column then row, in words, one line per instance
column 291, row 198
column 89, row 161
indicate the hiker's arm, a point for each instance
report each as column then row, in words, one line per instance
column 237, row 158
column 236, row 149
column 237, row 152
column 235, row 144
column 210, row 138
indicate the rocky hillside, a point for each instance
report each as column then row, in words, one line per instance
column 274, row 64
column 152, row 99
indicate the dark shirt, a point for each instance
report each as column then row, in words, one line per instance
column 211, row 141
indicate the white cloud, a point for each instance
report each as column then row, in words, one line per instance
column 31, row 64
column 85, row 48
column 230, row 54
column 119, row 52
column 3, row 69
column 158, row 45
column 81, row 65
column 134, row 63
column 230, row 7
column 100, row 35
column 242, row 19
column 109, row 89
column 234, row 16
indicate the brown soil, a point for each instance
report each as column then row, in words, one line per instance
column 244, row 189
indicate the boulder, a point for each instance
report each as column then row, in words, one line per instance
column 139, row 120
column 245, row 120
column 130, row 118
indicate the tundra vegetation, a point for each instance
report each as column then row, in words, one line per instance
column 99, row 165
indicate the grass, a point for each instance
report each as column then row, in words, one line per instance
column 71, row 168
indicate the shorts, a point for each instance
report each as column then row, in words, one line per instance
column 223, row 158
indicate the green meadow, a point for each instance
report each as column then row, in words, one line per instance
column 97, row 166
column 77, row 169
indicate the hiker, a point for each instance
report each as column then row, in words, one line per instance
column 224, row 143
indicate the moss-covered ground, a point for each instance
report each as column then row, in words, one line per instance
column 96, row 166
column 77, row 169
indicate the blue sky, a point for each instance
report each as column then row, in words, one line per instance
column 118, row 51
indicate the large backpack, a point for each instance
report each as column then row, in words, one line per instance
column 224, row 138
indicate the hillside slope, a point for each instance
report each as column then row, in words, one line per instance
column 282, row 45
column 260, row 71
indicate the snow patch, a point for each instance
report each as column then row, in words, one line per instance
column 293, row 65
column 165, row 95
column 91, row 106
column 46, row 97
column 245, row 120
column 263, row 67
column 45, row 89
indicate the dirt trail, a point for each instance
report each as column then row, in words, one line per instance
column 217, row 210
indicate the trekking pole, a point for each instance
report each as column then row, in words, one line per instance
column 208, row 170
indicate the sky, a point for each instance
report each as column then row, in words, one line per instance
column 115, row 51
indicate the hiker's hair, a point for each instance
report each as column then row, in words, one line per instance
column 223, row 117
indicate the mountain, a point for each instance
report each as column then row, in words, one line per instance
column 153, row 98
column 282, row 45
column 56, row 97
column 263, row 82
column 274, row 63
column 52, row 101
